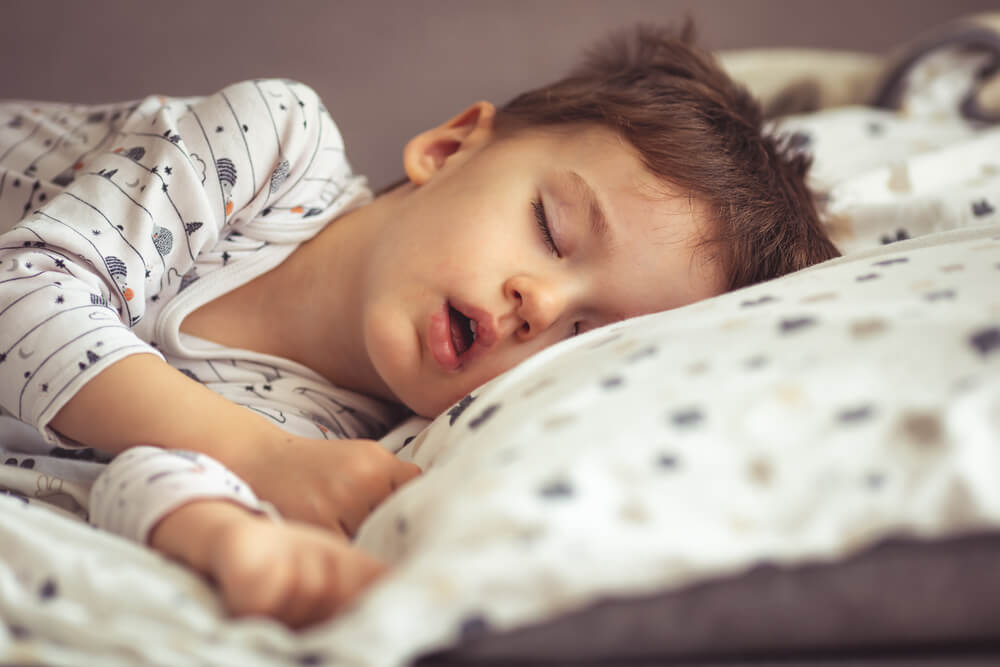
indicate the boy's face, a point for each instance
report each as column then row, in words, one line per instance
column 466, row 249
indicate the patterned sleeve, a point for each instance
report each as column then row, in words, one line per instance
column 144, row 484
column 80, row 276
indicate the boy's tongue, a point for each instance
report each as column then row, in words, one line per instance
column 461, row 336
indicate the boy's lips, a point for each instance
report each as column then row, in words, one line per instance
column 446, row 334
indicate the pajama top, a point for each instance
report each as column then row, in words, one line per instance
column 123, row 219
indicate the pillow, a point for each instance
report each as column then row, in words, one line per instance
column 796, row 422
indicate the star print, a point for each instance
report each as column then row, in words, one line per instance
column 164, row 187
column 147, row 273
column 60, row 264
column 45, row 387
column 282, row 107
column 3, row 357
column 267, row 387
column 154, row 170
column 168, row 170
column 60, row 299
column 245, row 128
column 218, row 128
column 225, row 257
column 95, row 232
column 249, row 387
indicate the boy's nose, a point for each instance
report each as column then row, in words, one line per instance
column 537, row 304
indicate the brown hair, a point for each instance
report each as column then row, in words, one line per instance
column 697, row 129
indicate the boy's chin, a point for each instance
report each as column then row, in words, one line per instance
column 428, row 404
column 430, row 408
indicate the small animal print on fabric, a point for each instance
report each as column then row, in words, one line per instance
column 226, row 171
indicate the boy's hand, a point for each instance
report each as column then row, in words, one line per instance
column 333, row 484
column 292, row 572
column 330, row 483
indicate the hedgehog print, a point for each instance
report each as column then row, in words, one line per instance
column 278, row 176
column 135, row 153
column 119, row 273
column 163, row 240
column 227, row 179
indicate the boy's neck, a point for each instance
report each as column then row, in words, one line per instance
column 308, row 308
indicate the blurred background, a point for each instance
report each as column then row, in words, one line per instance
column 388, row 70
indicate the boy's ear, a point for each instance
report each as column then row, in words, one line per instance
column 427, row 152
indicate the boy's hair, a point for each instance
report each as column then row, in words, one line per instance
column 695, row 128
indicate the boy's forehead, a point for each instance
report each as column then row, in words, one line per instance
column 607, row 175
column 600, row 154
column 599, row 168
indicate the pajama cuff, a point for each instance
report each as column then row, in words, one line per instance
column 144, row 484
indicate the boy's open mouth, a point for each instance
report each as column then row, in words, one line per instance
column 463, row 331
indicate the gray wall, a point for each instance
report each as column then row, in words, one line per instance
column 389, row 69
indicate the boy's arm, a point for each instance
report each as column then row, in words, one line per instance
column 141, row 400
column 292, row 572
column 82, row 273
column 193, row 509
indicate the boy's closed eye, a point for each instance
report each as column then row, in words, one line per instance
column 554, row 239
column 543, row 225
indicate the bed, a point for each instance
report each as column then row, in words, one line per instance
column 801, row 472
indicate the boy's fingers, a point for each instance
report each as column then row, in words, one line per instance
column 358, row 571
column 305, row 603
column 406, row 472
column 271, row 593
column 330, row 582
column 349, row 525
column 400, row 475
column 339, row 529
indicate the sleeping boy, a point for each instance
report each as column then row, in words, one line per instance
column 204, row 285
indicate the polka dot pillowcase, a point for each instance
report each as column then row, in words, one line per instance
column 797, row 420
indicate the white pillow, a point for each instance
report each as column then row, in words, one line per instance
column 798, row 420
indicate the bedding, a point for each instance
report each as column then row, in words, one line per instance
column 676, row 485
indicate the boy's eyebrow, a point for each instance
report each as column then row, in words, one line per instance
column 598, row 220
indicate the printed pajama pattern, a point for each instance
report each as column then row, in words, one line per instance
column 121, row 219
